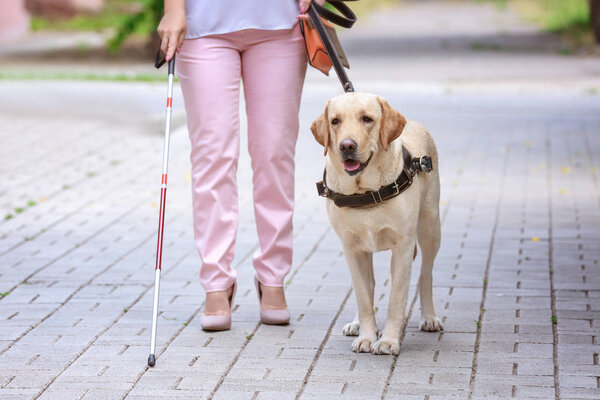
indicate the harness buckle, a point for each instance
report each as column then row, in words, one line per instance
column 396, row 188
column 322, row 189
column 425, row 164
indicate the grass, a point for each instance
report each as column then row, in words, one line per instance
column 501, row 4
column 363, row 8
column 73, row 76
column 19, row 210
column 560, row 16
column 570, row 18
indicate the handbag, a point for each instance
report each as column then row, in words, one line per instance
column 319, row 34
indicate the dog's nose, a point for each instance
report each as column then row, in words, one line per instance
column 348, row 146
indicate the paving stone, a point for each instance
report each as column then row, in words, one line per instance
column 520, row 213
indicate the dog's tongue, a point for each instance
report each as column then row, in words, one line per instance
column 351, row 165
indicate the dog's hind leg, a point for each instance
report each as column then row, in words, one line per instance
column 428, row 236
column 363, row 280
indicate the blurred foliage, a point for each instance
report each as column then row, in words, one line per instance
column 363, row 7
column 570, row 18
column 556, row 15
column 126, row 17
column 141, row 17
column 146, row 21
column 114, row 14
column 550, row 15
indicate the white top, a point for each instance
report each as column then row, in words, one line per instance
column 211, row 17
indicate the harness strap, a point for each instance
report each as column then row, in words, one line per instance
column 411, row 167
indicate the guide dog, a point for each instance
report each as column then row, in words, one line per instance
column 363, row 139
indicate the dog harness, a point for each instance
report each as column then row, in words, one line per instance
column 411, row 167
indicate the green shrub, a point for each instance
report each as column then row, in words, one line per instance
column 561, row 15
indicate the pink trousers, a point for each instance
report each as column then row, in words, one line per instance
column 272, row 65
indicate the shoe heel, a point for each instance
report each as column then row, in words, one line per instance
column 271, row 317
column 219, row 322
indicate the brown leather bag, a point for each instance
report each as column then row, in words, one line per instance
column 315, row 49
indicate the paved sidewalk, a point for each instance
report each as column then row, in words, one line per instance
column 517, row 280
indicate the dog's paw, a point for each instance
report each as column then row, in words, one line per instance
column 362, row 345
column 386, row 346
column 351, row 329
column 431, row 324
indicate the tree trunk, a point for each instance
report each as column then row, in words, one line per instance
column 595, row 18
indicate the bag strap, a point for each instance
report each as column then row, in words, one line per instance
column 313, row 13
column 346, row 20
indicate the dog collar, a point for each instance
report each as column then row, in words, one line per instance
column 411, row 167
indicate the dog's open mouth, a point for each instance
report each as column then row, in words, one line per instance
column 353, row 167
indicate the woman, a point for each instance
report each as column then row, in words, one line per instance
column 219, row 43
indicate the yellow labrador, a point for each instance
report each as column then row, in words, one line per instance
column 363, row 138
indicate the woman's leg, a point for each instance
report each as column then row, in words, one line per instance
column 209, row 71
column 273, row 69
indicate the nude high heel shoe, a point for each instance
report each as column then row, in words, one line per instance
column 271, row 317
column 219, row 322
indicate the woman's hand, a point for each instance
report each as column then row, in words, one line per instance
column 172, row 28
column 304, row 4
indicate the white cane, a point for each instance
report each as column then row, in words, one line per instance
column 163, row 198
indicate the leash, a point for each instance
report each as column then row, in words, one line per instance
column 346, row 20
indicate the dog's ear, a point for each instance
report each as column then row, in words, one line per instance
column 391, row 124
column 320, row 129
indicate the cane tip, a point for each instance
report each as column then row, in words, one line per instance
column 151, row 360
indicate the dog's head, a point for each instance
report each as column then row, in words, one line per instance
column 355, row 127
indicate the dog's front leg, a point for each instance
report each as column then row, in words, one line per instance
column 363, row 280
column 389, row 343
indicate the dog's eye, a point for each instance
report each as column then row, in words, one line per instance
column 335, row 121
column 367, row 119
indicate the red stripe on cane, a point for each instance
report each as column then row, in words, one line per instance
column 161, row 224
column 169, row 102
column 164, row 179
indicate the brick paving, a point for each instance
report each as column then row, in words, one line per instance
column 516, row 281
